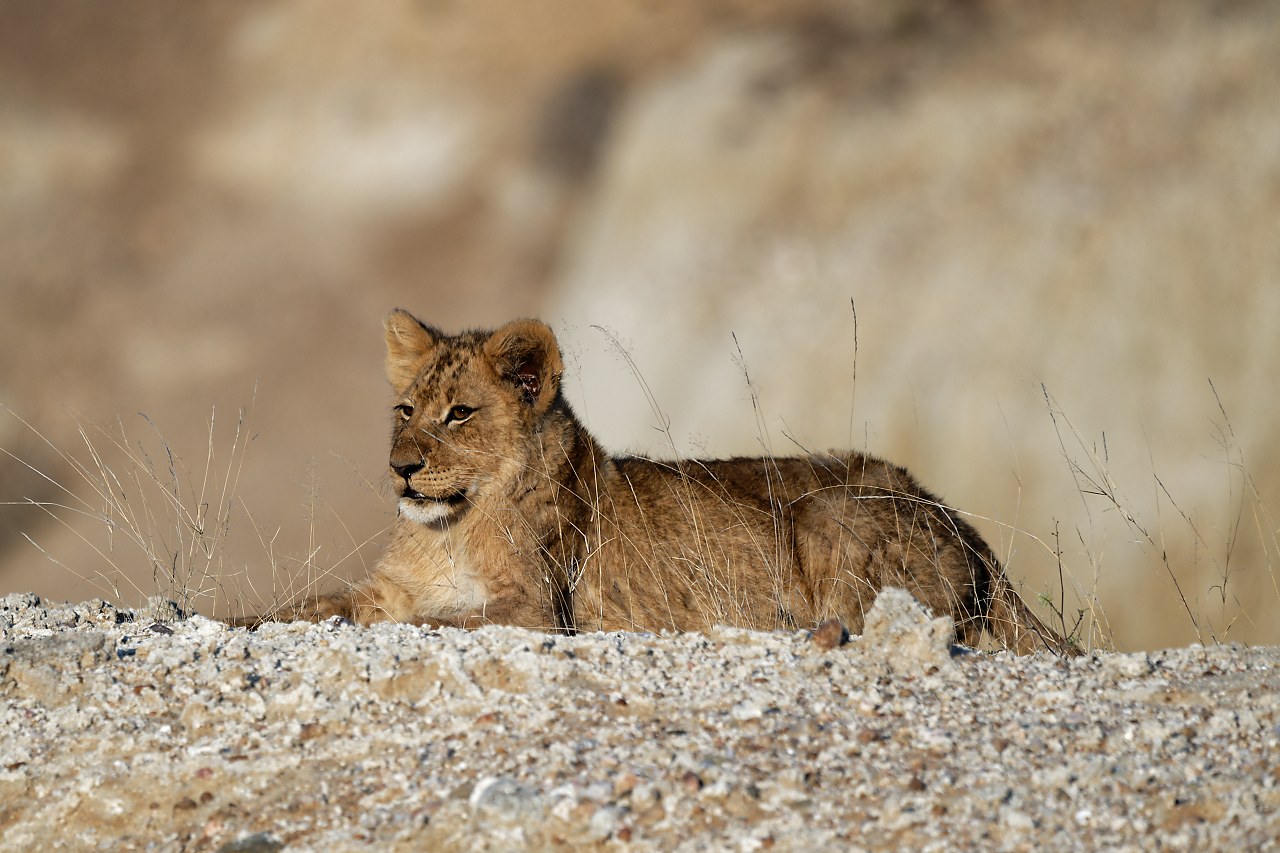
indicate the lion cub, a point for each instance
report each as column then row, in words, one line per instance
column 511, row 513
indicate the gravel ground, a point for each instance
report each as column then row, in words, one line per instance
column 148, row 731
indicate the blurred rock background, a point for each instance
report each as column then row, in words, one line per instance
column 210, row 206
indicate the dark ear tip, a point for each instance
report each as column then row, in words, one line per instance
column 400, row 320
column 395, row 319
column 397, row 315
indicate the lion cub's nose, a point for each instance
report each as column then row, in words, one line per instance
column 407, row 471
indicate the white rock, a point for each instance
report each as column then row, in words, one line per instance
column 1119, row 667
column 905, row 635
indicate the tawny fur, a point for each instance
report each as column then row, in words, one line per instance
column 511, row 513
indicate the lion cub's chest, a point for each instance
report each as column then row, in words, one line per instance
column 438, row 568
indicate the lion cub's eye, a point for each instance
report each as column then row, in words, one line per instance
column 405, row 411
column 458, row 414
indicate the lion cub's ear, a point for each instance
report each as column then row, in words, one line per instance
column 525, row 354
column 408, row 342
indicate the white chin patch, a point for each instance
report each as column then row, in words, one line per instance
column 424, row 512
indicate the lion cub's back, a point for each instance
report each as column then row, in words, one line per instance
column 669, row 496
column 796, row 539
column 770, row 481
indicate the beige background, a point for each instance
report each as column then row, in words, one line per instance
column 200, row 200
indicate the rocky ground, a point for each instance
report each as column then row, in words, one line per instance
column 150, row 731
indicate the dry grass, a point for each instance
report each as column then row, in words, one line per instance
column 1211, row 610
column 149, row 504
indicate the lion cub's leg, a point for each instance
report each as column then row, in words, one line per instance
column 374, row 600
column 317, row 608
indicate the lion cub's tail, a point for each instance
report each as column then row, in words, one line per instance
column 1010, row 621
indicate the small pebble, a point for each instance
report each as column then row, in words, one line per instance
column 829, row 635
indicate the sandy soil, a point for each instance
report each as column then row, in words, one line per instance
column 148, row 731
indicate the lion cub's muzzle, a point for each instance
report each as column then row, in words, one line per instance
column 430, row 497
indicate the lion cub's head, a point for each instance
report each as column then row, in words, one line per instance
column 466, row 410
